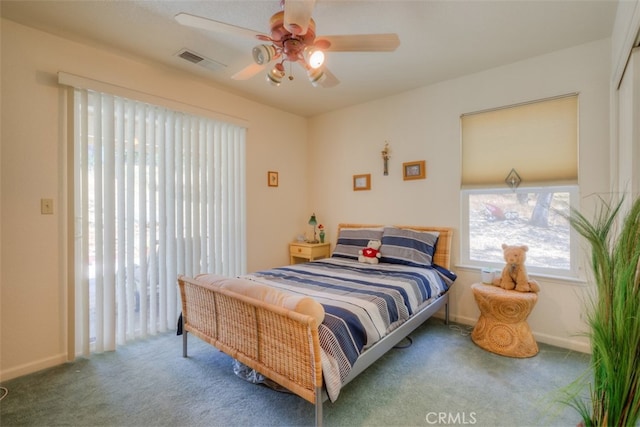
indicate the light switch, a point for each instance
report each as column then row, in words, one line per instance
column 46, row 206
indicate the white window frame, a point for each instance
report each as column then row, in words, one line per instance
column 574, row 247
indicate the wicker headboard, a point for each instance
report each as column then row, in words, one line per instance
column 442, row 256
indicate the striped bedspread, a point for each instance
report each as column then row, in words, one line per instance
column 362, row 303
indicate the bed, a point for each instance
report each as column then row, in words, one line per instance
column 313, row 327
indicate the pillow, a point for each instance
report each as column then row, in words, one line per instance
column 301, row 304
column 351, row 240
column 408, row 247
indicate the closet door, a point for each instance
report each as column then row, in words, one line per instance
column 628, row 156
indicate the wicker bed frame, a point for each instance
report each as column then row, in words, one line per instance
column 282, row 344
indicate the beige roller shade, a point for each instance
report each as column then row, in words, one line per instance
column 539, row 140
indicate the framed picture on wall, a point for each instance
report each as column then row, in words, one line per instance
column 414, row 170
column 362, row 182
column 272, row 179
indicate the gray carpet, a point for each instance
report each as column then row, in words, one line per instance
column 441, row 379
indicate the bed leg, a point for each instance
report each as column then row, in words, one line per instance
column 446, row 313
column 318, row 406
column 184, row 340
column 184, row 343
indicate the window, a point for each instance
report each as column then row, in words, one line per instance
column 537, row 144
column 158, row 193
column 529, row 216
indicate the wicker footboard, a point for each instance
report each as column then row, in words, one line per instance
column 281, row 344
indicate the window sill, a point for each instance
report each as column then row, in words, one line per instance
column 565, row 280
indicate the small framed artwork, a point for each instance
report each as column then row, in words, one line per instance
column 414, row 170
column 272, row 179
column 362, row 182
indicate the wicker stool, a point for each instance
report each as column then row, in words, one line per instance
column 502, row 327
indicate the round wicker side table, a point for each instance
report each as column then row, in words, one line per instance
column 502, row 327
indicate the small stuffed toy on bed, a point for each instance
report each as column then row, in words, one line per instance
column 371, row 253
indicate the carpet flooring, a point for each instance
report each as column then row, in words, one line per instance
column 442, row 378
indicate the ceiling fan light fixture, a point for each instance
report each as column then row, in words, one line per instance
column 316, row 76
column 275, row 76
column 313, row 56
column 263, row 54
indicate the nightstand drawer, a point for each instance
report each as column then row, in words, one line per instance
column 303, row 251
column 300, row 250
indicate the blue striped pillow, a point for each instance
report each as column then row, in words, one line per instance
column 352, row 240
column 408, row 247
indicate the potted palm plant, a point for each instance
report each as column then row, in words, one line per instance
column 613, row 317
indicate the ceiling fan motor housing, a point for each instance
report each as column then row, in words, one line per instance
column 292, row 46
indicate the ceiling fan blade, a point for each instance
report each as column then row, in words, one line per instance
column 249, row 71
column 330, row 80
column 297, row 14
column 216, row 26
column 320, row 77
column 361, row 42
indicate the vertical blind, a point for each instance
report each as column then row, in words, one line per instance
column 157, row 193
column 537, row 139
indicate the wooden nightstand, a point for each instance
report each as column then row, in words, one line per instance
column 303, row 252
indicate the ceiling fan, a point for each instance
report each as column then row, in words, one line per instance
column 293, row 38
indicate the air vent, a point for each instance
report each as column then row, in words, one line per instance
column 201, row 60
column 190, row 56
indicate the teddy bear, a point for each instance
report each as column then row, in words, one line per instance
column 371, row 253
column 514, row 274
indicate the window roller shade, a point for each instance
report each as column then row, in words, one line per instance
column 539, row 140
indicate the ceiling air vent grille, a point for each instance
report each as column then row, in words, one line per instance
column 190, row 56
column 196, row 58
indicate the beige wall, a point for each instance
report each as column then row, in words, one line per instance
column 420, row 124
column 424, row 124
column 33, row 291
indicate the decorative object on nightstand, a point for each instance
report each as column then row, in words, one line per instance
column 502, row 327
column 313, row 222
column 321, row 234
column 306, row 251
column 386, row 155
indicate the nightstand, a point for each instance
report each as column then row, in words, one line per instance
column 502, row 327
column 303, row 252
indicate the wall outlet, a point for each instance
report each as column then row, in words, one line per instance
column 46, row 206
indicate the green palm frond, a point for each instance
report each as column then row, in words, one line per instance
column 613, row 317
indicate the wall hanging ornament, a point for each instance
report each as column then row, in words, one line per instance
column 386, row 155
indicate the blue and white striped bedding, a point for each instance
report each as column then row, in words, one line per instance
column 362, row 303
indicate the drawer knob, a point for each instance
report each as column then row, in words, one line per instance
column 299, row 249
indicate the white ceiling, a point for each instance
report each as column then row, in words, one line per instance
column 439, row 39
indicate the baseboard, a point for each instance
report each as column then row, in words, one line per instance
column 29, row 368
column 562, row 342
column 470, row 321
